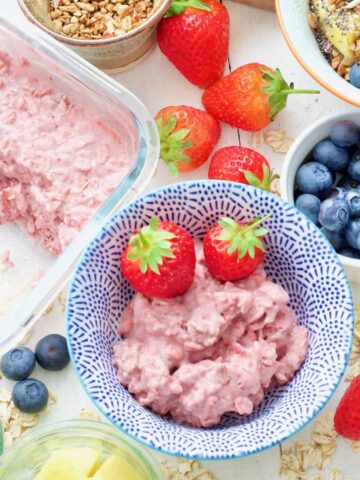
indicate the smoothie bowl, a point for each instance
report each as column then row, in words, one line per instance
column 289, row 323
column 324, row 37
column 77, row 450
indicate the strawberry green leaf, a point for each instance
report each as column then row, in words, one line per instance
column 279, row 90
column 178, row 6
column 243, row 239
column 173, row 143
column 265, row 183
column 150, row 246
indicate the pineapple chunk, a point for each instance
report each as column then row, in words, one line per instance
column 57, row 469
column 117, row 468
column 341, row 27
column 70, row 464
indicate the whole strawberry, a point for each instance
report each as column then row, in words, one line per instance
column 242, row 165
column 194, row 36
column 250, row 97
column 234, row 250
column 187, row 137
column 159, row 261
column 347, row 415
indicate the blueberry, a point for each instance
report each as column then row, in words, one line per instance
column 353, row 199
column 52, row 353
column 350, row 252
column 354, row 166
column 30, row 396
column 309, row 205
column 334, row 214
column 313, row 177
column 18, row 363
column 336, row 239
column 354, row 75
column 352, row 233
column 330, row 155
column 345, row 133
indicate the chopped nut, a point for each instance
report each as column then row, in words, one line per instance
column 90, row 19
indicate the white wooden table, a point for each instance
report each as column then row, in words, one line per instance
column 255, row 37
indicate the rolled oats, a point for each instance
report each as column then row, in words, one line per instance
column 354, row 361
column 257, row 139
column 185, row 470
column 89, row 415
column 93, row 20
column 278, row 140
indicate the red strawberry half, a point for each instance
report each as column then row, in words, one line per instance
column 160, row 260
column 234, row 250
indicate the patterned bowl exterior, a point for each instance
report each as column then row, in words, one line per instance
column 298, row 257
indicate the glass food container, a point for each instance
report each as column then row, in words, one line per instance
column 37, row 276
column 28, row 454
column 110, row 54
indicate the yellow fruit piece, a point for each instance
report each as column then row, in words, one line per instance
column 116, row 468
column 56, row 469
column 72, row 463
column 340, row 26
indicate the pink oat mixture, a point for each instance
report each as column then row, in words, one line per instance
column 214, row 350
column 58, row 163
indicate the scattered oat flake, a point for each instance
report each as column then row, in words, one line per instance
column 278, row 140
column 354, row 362
column 336, row 474
column 26, row 337
column 186, row 470
column 90, row 415
column 257, row 139
column 356, row 446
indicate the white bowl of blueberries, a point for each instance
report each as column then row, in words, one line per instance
column 321, row 176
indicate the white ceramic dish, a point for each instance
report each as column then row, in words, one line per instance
column 299, row 151
column 292, row 16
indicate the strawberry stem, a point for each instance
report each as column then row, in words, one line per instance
column 149, row 246
column 243, row 239
column 278, row 90
column 290, row 91
column 178, row 6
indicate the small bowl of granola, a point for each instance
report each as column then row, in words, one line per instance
column 111, row 34
column 324, row 36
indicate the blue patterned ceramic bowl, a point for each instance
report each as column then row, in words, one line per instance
column 298, row 257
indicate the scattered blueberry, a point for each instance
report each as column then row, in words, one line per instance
column 354, row 75
column 350, row 252
column 330, row 155
column 352, row 233
column 334, row 214
column 52, row 352
column 354, row 167
column 18, row 363
column 353, row 200
column 347, row 183
column 336, row 239
column 30, row 396
column 345, row 133
column 313, row 177
column 309, row 205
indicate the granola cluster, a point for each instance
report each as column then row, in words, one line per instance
column 338, row 62
column 94, row 20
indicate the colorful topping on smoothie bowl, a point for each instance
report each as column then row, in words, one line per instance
column 220, row 345
column 336, row 24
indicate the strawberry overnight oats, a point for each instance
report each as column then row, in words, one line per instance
column 58, row 162
column 215, row 349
